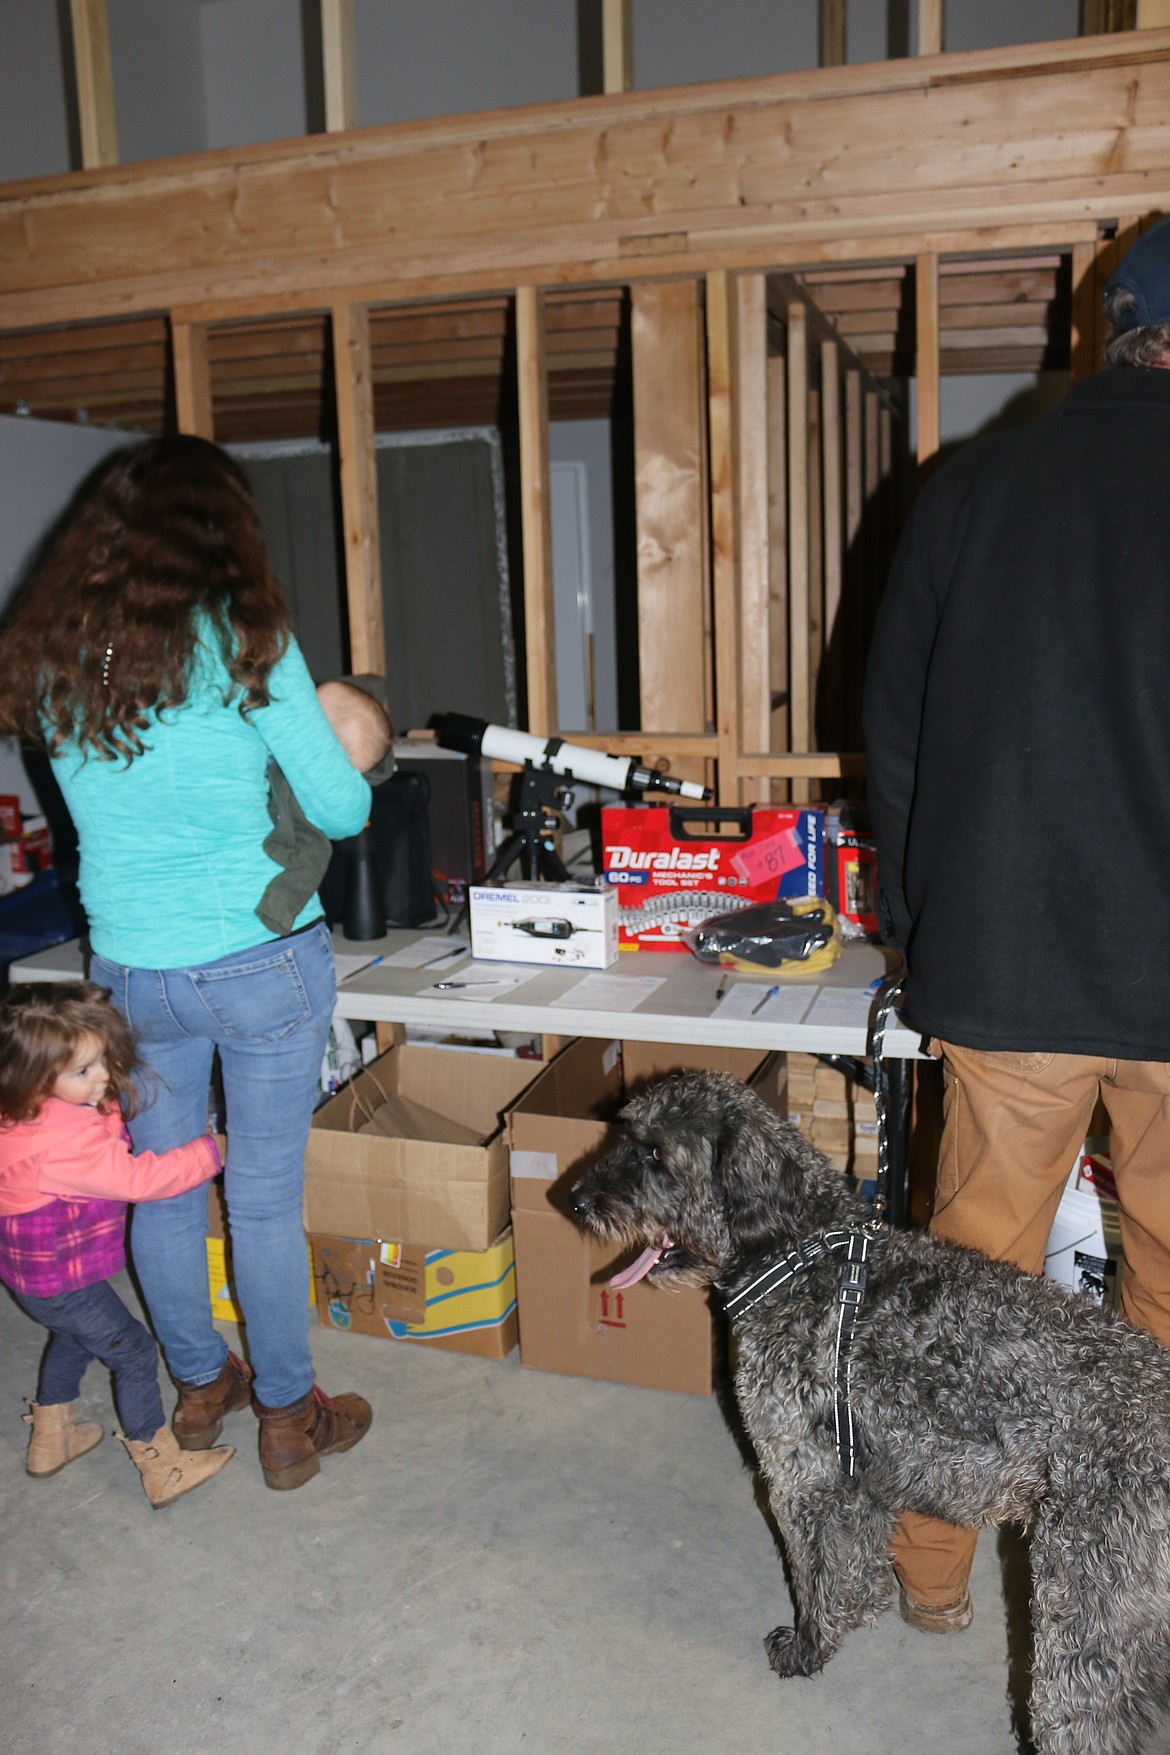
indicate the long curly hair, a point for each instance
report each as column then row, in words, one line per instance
column 164, row 536
column 41, row 1025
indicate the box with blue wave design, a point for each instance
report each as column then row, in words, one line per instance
column 461, row 1301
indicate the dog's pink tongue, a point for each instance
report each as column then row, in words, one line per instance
column 638, row 1270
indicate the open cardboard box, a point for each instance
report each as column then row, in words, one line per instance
column 571, row 1319
column 432, row 1163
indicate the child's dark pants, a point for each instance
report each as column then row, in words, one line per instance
column 95, row 1324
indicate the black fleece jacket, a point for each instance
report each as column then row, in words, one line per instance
column 1017, row 731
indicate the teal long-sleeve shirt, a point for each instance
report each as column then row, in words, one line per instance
column 172, row 860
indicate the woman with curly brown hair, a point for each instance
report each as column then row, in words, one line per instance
column 151, row 654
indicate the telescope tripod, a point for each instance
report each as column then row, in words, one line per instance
column 530, row 842
column 533, row 828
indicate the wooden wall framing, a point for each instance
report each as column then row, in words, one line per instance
column 768, row 463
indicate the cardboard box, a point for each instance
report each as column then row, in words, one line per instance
column 572, row 926
column 674, row 865
column 570, row 1318
column 459, row 1301
column 413, row 1147
column 219, row 1281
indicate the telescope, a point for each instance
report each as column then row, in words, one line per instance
column 574, row 761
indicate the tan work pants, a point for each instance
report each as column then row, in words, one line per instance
column 1012, row 1127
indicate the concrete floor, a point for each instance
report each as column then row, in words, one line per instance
column 509, row 1561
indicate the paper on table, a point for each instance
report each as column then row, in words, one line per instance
column 786, row 1007
column 427, row 954
column 480, row 981
column 845, row 1007
column 609, row 993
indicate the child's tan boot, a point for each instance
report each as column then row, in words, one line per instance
column 168, row 1472
column 54, row 1439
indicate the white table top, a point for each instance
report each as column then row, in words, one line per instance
column 548, row 1001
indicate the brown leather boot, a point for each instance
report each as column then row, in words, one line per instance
column 294, row 1439
column 199, row 1413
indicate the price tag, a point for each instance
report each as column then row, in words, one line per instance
column 768, row 859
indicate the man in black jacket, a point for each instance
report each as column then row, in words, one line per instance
column 1017, row 728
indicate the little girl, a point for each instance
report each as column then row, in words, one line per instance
column 66, row 1174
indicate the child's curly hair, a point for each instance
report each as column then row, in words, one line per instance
column 41, row 1024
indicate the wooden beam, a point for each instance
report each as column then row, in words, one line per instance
column 353, row 381
column 339, row 55
column 926, row 331
column 1153, row 14
column 670, row 494
column 721, row 355
column 931, row 26
column 192, row 370
column 780, row 722
column 617, row 46
column 799, row 677
column 750, row 413
column 831, row 22
column 535, row 518
column 94, row 77
column 530, row 195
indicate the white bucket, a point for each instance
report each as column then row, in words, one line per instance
column 1084, row 1246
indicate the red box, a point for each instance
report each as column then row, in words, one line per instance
column 10, row 828
column 676, row 865
column 854, row 874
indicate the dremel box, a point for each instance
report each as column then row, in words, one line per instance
column 573, row 926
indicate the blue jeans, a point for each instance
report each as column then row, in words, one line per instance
column 267, row 1010
column 95, row 1324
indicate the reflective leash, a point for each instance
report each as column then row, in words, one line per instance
column 881, row 1187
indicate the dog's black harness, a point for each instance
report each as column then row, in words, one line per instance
column 854, row 1244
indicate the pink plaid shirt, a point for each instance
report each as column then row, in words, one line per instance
column 66, row 1177
column 63, row 1247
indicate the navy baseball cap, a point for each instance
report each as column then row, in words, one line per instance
column 1144, row 271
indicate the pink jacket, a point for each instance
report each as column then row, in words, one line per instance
column 70, row 1151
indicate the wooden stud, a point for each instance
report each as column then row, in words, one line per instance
column 872, row 546
column 670, row 494
column 192, row 370
column 780, row 722
column 535, row 524
column 799, row 678
column 721, row 350
column 1083, row 336
column 617, row 46
column 926, row 324
column 94, row 78
column 751, row 418
column 833, row 668
column 831, row 21
column 1153, row 14
column 931, row 23
column 816, row 551
column 339, row 55
column 854, row 640
column 353, row 384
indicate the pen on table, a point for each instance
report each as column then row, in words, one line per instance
column 761, row 1003
column 442, row 986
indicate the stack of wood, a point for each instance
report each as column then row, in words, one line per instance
column 835, row 1113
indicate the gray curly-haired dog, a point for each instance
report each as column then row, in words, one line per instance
column 950, row 1384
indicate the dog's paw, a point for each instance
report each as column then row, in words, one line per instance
column 789, row 1654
